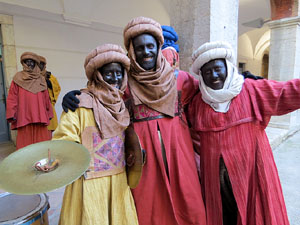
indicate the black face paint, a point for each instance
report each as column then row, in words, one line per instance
column 146, row 51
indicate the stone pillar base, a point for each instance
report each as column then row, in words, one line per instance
column 289, row 121
column 284, row 62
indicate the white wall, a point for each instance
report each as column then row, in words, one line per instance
column 124, row 11
column 112, row 12
column 54, row 6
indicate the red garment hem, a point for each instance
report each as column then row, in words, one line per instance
column 31, row 133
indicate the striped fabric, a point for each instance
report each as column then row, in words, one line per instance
column 239, row 137
column 173, row 197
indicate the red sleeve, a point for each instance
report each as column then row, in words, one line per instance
column 191, row 115
column 12, row 102
column 273, row 98
column 48, row 104
column 196, row 140
column 189, row 87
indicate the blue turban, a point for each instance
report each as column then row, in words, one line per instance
column 170, row 37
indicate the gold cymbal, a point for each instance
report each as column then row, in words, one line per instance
column 135, row 157
column 19, row 175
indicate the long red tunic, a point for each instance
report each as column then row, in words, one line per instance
column 239, row 137
column 24, row 108
column 175, row 200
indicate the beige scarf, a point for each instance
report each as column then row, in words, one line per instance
column 109, row 110
column 158, row 88
column 43, row 59
column 28, row 79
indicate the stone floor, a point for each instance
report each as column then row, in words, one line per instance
column 287, row 158
column 286, row 150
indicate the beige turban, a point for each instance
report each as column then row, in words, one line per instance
column 109, row 110
column 102, row 55
column 219, row 100
column 210, row 51
column 43, row 60
column 142, row 25
column 29, row 55
column 30, row 79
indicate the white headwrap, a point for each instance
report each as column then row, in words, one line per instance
column 219, row 100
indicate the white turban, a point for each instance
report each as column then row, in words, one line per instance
column 210, row 51
column 219, row 100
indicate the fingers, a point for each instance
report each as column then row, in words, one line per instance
column 70, row 101
column 76, row 92
column 70, row 104
column 72, row 96
column 65, row 108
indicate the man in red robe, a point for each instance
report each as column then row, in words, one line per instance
column 168, row 192
column 28, row 105
column 239, row 177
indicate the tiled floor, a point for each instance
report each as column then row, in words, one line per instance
column 55, row 197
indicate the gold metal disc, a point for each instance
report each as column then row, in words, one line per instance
column 18, row 175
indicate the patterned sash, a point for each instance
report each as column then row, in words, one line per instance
column 107, row 155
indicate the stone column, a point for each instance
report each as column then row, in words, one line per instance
column 9, row 54
column 284, row 62
column 200, row 21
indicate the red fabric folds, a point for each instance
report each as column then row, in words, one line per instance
column 239, row 137
column 175, row 200
column 24, row 107
column 32, row 133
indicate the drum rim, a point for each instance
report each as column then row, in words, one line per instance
column 32, row 215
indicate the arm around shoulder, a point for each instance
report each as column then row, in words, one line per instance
column 188, row 85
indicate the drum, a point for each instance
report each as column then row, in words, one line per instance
column 23, row 209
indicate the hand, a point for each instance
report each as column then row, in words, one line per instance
column 249, row 75
column 11, row 120
column 70, row 101
column 253, row 77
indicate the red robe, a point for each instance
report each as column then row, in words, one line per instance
column 239, row 137
column 175, row 200
column 24, row 108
